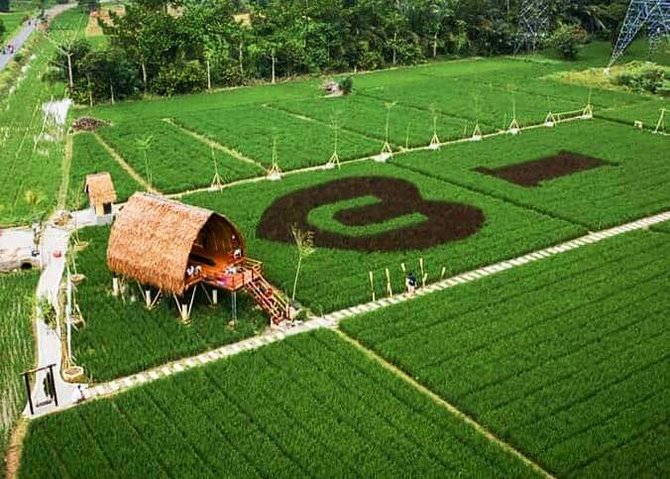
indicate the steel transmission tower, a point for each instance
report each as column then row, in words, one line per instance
column 533, row 21
column 655, row 14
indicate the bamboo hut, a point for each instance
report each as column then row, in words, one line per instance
column 101, row 194
column 173, row 247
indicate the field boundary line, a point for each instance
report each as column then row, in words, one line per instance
column 332, row 320
column 402, row 151
column 303, row 117
column 15, row 448
column 124, row 164
column 440, row 401
column 65, row 171
column 214, row 144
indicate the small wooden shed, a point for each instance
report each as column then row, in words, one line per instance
column 101, row 194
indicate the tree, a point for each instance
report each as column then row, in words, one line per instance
column 68, row 60
column 108, row 74
column 4, row 6
column 88, row 5
column 3, row 29
column 304, row 242
column 566, row 40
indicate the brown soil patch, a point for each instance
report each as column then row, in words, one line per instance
column 532, row 173
column 14, row 449
column 445, row 221
column 88, row 124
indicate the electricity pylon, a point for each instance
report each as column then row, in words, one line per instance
column 654, row 14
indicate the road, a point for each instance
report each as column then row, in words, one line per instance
column 26, row 30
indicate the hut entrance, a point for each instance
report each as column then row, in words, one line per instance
column 107, row 208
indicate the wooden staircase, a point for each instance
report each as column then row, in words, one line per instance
column 270, row 301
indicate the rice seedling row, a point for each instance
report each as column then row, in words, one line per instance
column 334, row 277
column 313, row 404
column 564, row 358
column 91, row 157
column 607, row 195
column 170, row 159
column 255, row 130
column 16, row 346
column 408, row 127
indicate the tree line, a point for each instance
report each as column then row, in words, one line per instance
column 166, row 47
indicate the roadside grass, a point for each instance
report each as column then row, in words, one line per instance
column 12, row 22
column 30, row 161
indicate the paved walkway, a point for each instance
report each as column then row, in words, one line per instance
column 332, row 320
column 54, row 240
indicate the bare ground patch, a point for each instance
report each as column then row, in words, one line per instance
column 445, row 221
column 532, row 173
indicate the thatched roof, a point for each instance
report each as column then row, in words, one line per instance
column 152, row 238
column 100, row 188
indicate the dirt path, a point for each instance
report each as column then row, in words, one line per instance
column 310, row 119
column 129, row 169
column 65, row 172
column 14, row 449
column 446, row 405
column 213, row 144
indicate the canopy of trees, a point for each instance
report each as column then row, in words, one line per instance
column 165, row 47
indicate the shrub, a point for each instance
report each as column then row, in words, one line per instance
column 643, row 77
column 346, row 85
column 566, row 40
column 180, row 78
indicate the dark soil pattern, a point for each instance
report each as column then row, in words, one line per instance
column 531, row 173
column 444, row 222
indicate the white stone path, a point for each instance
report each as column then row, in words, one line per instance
column 53, row 248
column 332, row 320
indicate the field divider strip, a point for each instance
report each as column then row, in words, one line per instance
column 402, row 151
column 303, row 117
column 440, row 401
column 332, row 320
column 124, row 164
column 65, row 171
column 214, row 144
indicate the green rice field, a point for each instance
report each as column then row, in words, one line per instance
column 270, row 412
column 565, row 358
column 556, row 368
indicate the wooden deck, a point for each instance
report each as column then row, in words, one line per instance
column 226, row 274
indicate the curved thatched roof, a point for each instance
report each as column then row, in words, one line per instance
column 152, row 238
column 100, row 188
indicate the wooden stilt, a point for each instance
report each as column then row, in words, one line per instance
column 389, row 290
column 372, row 285
column 115, row 286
